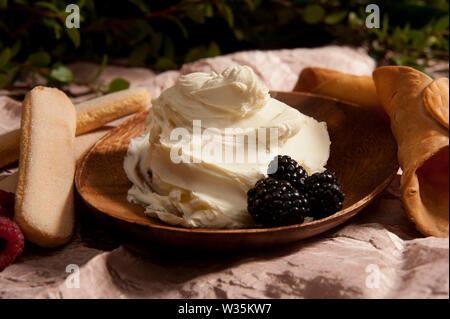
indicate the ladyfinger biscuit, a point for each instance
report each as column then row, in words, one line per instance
column 97, row 112
column 90, row 115
column 45, row 193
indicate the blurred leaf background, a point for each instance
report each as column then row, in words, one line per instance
column 163, row 35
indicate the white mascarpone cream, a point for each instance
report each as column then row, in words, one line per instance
column 208, row 140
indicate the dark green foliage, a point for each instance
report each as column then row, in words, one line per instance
column 165, row 34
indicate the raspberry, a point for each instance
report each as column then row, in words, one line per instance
column 276, row 203
column 11, row 242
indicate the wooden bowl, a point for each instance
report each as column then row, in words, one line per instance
column 363, row 156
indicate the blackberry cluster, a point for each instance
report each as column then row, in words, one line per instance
column 285, row 168
column 324, row 194
column 288, row 195
column 276, row 203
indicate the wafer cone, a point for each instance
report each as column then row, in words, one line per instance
column 418, row 109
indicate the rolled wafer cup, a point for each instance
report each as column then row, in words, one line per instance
column 343, row 86
column 418, row 109
column 91, row 115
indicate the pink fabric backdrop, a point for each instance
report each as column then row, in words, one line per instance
column 376, row 254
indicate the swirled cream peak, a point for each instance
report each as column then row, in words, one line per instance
column 208, row 191
column 215, row 99
column 235, row 91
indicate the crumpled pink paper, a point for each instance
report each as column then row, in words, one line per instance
column 376, row 254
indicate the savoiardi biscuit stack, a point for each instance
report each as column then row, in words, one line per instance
column 45, row 190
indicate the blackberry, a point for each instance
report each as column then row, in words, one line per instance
column 324, row 194
column 274, row 203
column 283, row 167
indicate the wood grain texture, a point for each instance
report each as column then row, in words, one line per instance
column 363, row 155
